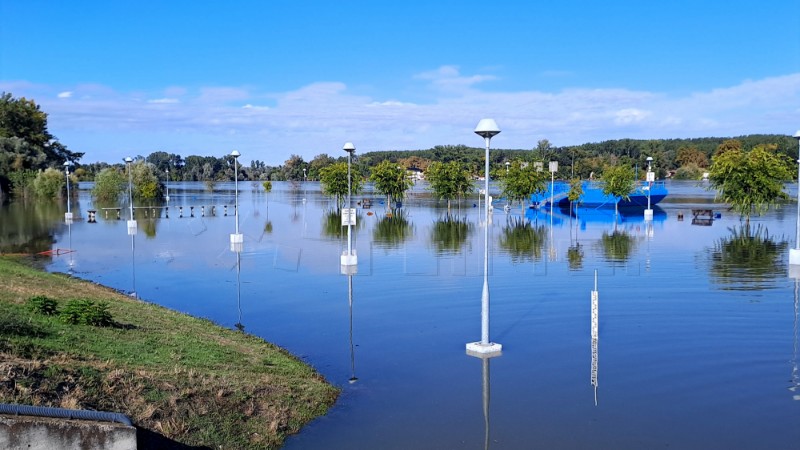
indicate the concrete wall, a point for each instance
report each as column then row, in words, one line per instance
column 41, row 433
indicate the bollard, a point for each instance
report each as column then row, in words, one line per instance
column 119, row 212
column 202, row 211
column 181, row 210
column 213, row 210
column 92, row 214
column 191, row 211
column 225, row 210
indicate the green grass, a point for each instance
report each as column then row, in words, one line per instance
column 183, row 377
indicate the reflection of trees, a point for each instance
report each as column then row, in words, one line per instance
column 617, row 246
column 332, row 224
column 575, row 257
column 29, row 226
column 392, row 230
column 449, row 234
column 523, row 240
column 747, row 259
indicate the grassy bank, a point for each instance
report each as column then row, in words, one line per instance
column 185, row 378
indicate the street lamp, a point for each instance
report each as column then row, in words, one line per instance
column 237, row 239
column 349, row 218
column 132, row 228
column 68, row 214
column 651, row 177
column 167, row 186
column 553, row 167
column 487, row 128
column 794, row 253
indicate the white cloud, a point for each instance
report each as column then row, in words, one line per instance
column 65, row 94
column 319, row 117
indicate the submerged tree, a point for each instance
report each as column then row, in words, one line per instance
column 392, row 230
column 108, row 185
column 449, row 234
column 448, row 181
column 520, row 181
column 750, row 181
column 333, row 179
column 618, row 181
column 523, row 240
column 390, row 180
column 617, row 246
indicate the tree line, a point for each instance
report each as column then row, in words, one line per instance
column 32, row 160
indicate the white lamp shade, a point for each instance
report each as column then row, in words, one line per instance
column 236, row 154
column 487, row 128
column 349, row 147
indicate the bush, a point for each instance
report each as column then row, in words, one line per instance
column 86, row 312
column 108, row 185
column 41, row 304
column 49, row 184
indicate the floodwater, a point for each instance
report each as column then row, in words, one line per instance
column 697, row 324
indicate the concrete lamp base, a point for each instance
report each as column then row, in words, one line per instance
column 480, row 350
column 132, row 227
column 794, row 256
column 648, row 214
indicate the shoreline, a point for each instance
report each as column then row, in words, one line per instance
column 182, row 377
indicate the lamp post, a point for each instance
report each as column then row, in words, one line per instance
column 68, row 214
column 350, row 258
column 794, row 253
column 487, row 128
column 166, row 184
column 553, row 166
column 132, row 228
column 237, row 239
column 648, row 213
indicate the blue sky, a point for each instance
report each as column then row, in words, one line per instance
column 272, row 79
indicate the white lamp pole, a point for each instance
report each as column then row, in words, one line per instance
column 794, row 253
column 237, row 239
column 487, row 128
column 553, row 166
column 132, row 227
column 167, row 185
column 68, row 214
column 648, row 213
column 350, row 258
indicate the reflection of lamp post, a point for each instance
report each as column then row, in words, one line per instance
column 166, row 184
column 794, row 253
column 132, row 228
column 648, row 213
column 304, row 185
column 353, row 378
column 237, row 240
column 487, row 128
column 68, row 214
column 350, row 258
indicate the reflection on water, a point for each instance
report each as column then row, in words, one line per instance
column 749, row 258
column 673, row 347
column 617, row 246
column 393, row 229
column 30, row 226
column 449, row 234
column 524, row 240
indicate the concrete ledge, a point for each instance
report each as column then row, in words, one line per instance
column 43, row 433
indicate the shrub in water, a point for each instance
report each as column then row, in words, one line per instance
column 86, row 312
column 43, row 305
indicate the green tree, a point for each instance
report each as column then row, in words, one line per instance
column 750, row 181
column 390, row 180
column 448, row 181
column 25, row 142
column 146, row 185
column 333, row 179
column 49, row 184
column 575, row 193
column 108, row 185
column 618, row 181
column 520, row 181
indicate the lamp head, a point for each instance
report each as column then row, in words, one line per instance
column 649, row 158
column 797, row 135
column 487, row 128
column 235, row 154
column 128, row 160
column 349, row 147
